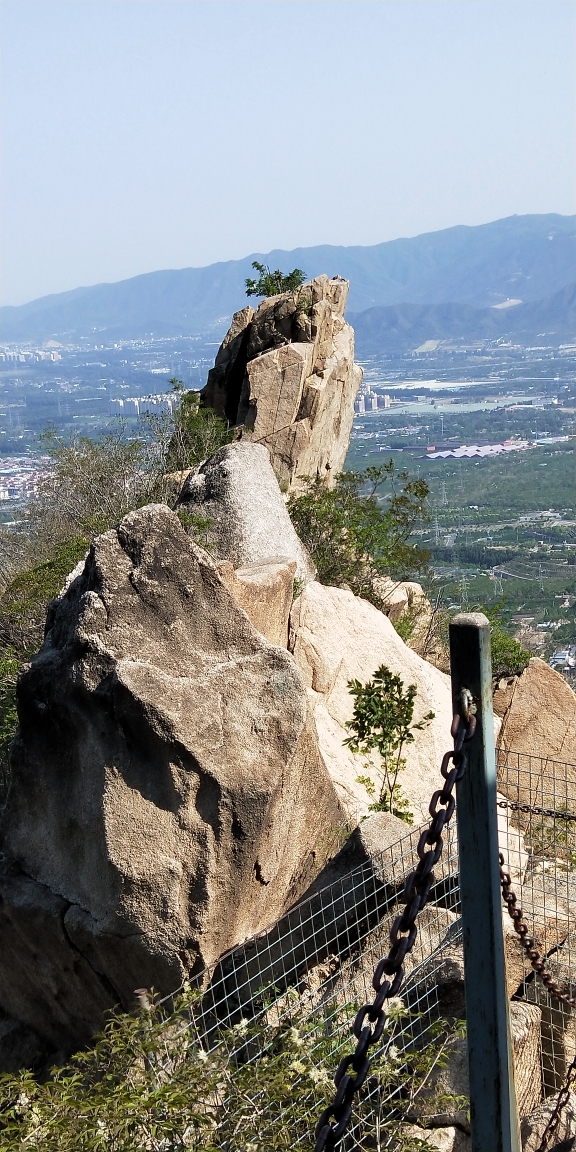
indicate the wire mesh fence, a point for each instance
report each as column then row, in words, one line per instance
column 314, row 968
column 538, row 795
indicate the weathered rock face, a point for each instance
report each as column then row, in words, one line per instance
column 452, row 1080
column 533, row 1126
column 539, row 715
column 337, row 637
column 400, row 597
column 168, row 796
column 265, row 592
column 237, row 492
column 444, row 1139
column 286, row 373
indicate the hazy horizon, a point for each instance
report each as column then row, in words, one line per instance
column 180, row 133
column 246, row 255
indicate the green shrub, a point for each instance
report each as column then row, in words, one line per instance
column 382, row 722
column 353, row 537
column 196, row 433
column 22, row 618
column 509, row 657
column 273, row 283
column 148, row 1083
column 92, row 484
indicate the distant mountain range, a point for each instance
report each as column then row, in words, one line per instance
column 406, row 327
column 527, row 257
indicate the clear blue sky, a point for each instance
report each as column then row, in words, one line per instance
column 146, row 134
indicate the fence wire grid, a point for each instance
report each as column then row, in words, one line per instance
column 542, row 797
column 318, row 960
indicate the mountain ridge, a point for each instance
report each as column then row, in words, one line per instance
column 403, row 327
column 531, row 257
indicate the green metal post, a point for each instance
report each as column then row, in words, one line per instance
column 493, row 1112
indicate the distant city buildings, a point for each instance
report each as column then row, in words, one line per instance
column 20, row 476
column 10, row 357
column 138, row 405
column 369, row 401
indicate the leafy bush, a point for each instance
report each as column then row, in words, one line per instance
column 22, row 617
column 92, row 484
column 352, row 537
column 197, row 432
column 148, row 1083
column 273, row 283
column 382, row 722
column 509, row 657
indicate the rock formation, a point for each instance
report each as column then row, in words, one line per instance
column 336, row 637
column 236, row 491
column 286, row 373
column 533, row 1126
column 168, row 797
column 538, row 712
column 265, row 592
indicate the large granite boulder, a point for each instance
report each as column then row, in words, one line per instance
column 286, row 374
column 538, row 713
column 336, row 637
column 236, row 491
column 533, row 1126
column 265, row 592
column 168, row 797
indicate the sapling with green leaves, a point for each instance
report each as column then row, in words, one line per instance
column 383, row 722
column 273, row 283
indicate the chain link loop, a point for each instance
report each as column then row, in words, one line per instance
column 538, row 964
column 531, row 809
column 370, row 1021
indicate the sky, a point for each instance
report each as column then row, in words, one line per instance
column 147, row 134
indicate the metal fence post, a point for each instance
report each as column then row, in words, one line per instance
column 493, row 1112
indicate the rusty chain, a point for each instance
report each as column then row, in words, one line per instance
column 554, row 1121
column 527, row 941
column 538, row 964
column 370, row 1021
column 515, row 806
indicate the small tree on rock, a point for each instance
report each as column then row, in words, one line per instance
column 382, row 722
column 273, row 283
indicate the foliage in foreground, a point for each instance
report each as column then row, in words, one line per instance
column 273, row 283
column 353, row 536
column 148, row 1083
column 382, row 722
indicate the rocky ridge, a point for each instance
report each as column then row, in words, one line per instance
column 285, row 374
column 179, row 775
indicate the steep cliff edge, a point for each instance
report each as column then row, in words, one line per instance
column 286, row 374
